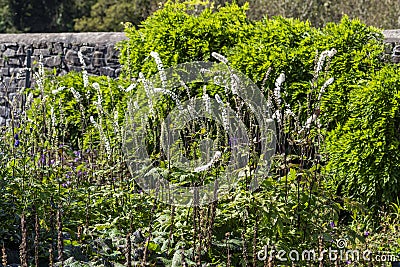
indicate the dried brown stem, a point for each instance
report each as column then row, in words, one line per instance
column 23, row 253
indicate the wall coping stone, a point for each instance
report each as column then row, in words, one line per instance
column 392, row 36
column 108, row 37
column 72, row 38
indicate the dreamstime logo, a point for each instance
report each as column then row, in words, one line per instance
column 167, row 85
column 341, row 243
column 341, row 253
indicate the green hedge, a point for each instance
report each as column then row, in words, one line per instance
column 364, row 151
column 286, row 45
column 179, row 35
column 291, row 46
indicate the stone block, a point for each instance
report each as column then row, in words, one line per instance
column 9, row 53
column 6, row 80
column 71, row 58
column 107, row 71
column 396, row 59
column 42, row 44
column 101, row 48
column 396, row 54
column 52, row 61
column 12, row 45
column 5, row 71
column 86, row 49
column 58, row 48
column 112, row 62
column 14, row 62
column 396, row 50
column 111, row 53
column 2, row 95
column 41, row 51
column 20, row 72
column 11, row 96
column 4, row 111
column 98, row 59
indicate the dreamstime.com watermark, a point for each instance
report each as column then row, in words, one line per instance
column 340, row 253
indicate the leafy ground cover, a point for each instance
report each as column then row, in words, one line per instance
column 69, row 199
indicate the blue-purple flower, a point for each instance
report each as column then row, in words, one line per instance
column 332, row 224
column 233, row 141
column 66, row 184
column 42, row 159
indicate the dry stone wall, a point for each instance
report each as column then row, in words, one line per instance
column 59, row 52
column 392, row 40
